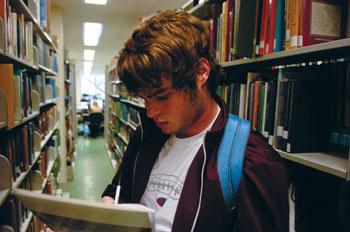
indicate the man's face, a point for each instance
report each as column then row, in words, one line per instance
column 175, row 112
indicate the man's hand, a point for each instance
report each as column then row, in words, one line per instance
column 107, row 200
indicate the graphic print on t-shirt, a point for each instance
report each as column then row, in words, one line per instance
column 160, row 201
column 164, row 186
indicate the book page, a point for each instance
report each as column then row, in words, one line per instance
column 62, row 214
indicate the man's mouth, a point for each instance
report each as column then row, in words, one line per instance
column 161, row 124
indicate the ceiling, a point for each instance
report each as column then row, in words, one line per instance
column 119, row 18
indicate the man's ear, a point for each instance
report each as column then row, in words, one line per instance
column 203, row 72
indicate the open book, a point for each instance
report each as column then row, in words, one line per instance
column 62, row 214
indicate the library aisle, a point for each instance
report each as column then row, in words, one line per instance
column 93, row 169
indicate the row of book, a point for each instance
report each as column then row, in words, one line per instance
column 253, row 99
column 46, row 87
column 18, row 147
column 120, row 128
column 17, row 86
column 14, row 215
column 256, row 27
column 70, row 142
column 46, row 56
column 304, row 115
column 22, row 145
column 116, row 145
column 118, row 89
column 47, row 120
column 340, row 138
column 18, row 38
column 41, row 11
column 17, row 34
column 125, row 112
column 300, row 113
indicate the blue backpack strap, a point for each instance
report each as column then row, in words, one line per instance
column 230, row 157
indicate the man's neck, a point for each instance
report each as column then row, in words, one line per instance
column 211, row 110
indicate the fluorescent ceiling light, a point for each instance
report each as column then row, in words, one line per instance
column 96, row 2
column 89, row 54
column 92, row 33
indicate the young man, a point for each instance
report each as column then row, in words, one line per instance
column 170, row 163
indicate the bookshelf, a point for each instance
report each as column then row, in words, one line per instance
column 314, row 170
column 328, row 52
column 70, row 107
column 313, row 53
column 121, row 118
column 28, row 98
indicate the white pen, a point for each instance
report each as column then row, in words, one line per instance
column 117, row 192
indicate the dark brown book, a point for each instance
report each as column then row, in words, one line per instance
column 7, row 84
column 310, row 121
column 347, row 98
column 244, row 46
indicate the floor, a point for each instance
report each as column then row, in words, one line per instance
column 93, row 169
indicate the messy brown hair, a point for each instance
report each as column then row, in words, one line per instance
column 168, row 45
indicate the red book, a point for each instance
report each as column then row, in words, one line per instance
column 3, row 25
column 263, row 27
column 323, row 21
column 272, row 26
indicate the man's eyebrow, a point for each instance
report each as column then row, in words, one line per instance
column 158, row 91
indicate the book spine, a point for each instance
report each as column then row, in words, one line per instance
column 280, row 26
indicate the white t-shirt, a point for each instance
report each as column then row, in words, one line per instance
column 168, row 175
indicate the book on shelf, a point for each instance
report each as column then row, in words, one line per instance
column 3, row 109
column 11, row 217
column 33, row 7
column 18, row 148
column 347, row 98
column 294, row 19
column 279, row 26
column 269, row 48
column 263, row 26
column 6, row 84
column 18, row 90
column 340, row 134
column 305, row 116
column 244, row 35
column 81, row 215
column 322, row 21
column 3, row 25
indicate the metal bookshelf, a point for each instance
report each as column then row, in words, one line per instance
column 331, row 163
column 318, row 52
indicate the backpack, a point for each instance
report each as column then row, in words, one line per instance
column 230, row 159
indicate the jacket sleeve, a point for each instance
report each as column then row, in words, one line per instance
column 262, row 198
column 124, row 174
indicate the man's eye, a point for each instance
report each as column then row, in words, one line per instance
column 162, row 97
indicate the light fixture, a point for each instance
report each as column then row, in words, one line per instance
column 89, row 54
column 96, row 2
column 92, row 33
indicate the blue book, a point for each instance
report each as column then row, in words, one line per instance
column 280, row 26
column 43, row 14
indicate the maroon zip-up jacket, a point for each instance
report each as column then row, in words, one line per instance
column 262, row 198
